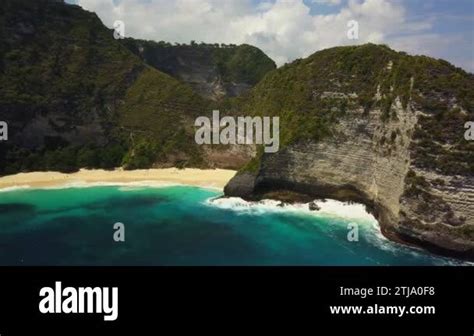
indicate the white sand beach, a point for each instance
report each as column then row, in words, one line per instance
column 209, row 178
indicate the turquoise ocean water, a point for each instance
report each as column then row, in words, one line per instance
column 180, row 225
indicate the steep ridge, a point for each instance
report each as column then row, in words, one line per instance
column 371, row 125
column 214, row 71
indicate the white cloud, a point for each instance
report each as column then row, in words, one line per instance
column 284, row 29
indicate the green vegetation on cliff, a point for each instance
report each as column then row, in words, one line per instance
column 311, row 95
column 159, row 113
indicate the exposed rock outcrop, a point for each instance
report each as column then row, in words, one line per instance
column 242, row 185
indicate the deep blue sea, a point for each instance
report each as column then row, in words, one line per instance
column 182, row 225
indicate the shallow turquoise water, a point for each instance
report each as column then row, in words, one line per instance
column 177, row 226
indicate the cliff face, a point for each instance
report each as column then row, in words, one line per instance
column 212, row 70
column 386, row 151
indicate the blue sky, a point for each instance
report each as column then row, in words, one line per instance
column 290, row 29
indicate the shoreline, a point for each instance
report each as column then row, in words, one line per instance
column 205, row 178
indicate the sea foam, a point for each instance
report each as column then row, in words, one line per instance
column 14, row 188
column 123, row 186
column 328, row 208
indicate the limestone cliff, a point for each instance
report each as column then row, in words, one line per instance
column 386, row 151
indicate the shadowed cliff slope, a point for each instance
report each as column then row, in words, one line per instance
column 214, row 71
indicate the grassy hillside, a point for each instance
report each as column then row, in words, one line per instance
column 158, row 114
column 73, row 96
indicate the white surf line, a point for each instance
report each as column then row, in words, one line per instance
column 132, row 185
column 328, row 208
column 15, row 188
